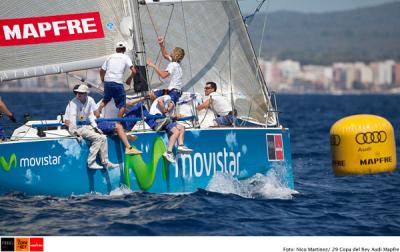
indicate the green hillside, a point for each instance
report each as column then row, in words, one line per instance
column 366, row 34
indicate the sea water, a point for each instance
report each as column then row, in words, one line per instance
column 321, row 203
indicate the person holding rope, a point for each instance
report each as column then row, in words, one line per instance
column 4, row 109
column 172, row 75
column 112, row 74
column 219, row 104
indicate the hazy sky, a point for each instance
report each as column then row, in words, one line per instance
column 309, row 5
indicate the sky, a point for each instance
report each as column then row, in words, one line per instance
column 309, row 5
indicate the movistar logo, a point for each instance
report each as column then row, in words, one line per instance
column 146, row 173
column 7, row 165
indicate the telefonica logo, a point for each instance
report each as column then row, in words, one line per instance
column 201, row 164
column 146, row 173
column 48, row 160
column 6, row 165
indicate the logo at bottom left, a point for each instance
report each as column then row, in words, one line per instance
column 9, row 244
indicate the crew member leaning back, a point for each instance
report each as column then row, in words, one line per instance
column 219, row 104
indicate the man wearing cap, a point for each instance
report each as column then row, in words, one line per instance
column 112, row 74
column 81, row 109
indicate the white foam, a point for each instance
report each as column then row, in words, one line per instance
column 259, row 186
column 122, row 190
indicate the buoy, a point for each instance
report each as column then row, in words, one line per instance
column 362, row 144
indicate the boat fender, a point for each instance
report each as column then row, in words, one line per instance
column 362, row 144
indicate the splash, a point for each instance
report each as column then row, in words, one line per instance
column 120, row 191
column 258, row 186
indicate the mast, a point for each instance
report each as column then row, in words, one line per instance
column 140, row 83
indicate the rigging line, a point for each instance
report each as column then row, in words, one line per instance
column 156, row 32
column 188, row 50
column 165, row 34
column 187, row 42
column 260, row 47
column 152, row 21
column 249, row 18
column 230, row 76
column 263, row 31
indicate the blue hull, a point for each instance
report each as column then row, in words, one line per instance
column 58, row 167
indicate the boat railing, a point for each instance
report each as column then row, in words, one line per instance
column 190, row 117
column 275, row 111
column 133, row 119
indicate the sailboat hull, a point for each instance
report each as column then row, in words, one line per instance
column 58, row 167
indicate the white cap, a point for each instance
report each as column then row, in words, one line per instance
column 82, row 89
column 120, row 44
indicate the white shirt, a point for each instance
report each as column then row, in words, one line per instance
column 220, row 104
column 76, row 111
column 174, row 80
column 155, row 107
column 109, row 111
column 115, row 67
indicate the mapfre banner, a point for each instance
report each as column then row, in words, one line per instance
column 39, row 30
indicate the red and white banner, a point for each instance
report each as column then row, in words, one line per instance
column 39, row 30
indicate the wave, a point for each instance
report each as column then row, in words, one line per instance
column 269, row 186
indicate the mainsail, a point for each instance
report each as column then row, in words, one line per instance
column 42, row 37
column 217, row 49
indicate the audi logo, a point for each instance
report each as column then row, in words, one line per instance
column 335, row 140
column 371, row 137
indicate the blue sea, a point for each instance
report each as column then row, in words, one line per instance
column 320, row 205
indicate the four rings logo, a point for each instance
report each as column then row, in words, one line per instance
column 335, row 140
column 371, row 137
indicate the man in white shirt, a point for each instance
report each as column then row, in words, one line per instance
column 219, row 104
column 112, row 74
column 164, row 106
column 172, row 75
column 79, row 110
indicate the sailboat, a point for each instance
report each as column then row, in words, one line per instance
column 46, row 37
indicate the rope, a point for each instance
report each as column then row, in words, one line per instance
column 158, row 59
column 188, row 50
column 260, row 47
column 249, row 18
column 187, row 43
column 152, row 21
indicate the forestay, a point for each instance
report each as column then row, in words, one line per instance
column 217, row 48
column 54, row 36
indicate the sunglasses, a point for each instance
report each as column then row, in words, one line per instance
column 207, row 87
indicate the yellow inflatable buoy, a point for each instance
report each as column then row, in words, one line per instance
column 362, row 144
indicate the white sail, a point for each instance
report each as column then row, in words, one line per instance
column 44, row 37
column 217, row 49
